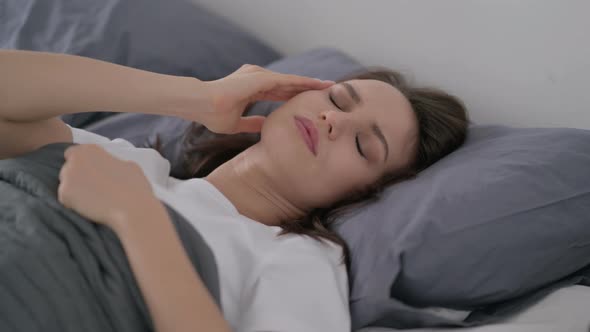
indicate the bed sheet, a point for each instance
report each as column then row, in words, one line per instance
column 565, row 310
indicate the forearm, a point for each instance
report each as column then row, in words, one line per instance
column 177, row 299
column 41, row 85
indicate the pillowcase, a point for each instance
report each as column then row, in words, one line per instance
column 176, row 37
column 488, row 228
column 141, row 129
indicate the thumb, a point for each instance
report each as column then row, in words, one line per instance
column 250, row 124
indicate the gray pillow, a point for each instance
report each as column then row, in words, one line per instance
column 176, row 37
column 502, row 218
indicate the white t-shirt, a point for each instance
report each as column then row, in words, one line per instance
column 267, row 282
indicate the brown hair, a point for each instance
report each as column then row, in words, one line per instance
column 442, row 120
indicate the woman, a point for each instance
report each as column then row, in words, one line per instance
column 329, row 146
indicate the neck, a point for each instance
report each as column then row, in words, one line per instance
column 253, row 190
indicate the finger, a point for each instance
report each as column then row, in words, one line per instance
column 68, row 152
column 278, row 96
column 281, row 95
column 283, row 90
column 289, row 89
column 303, row 81
column 61, row 194
column 278, row 80
column 62, row 172
column 248, row 68
column 250, row 124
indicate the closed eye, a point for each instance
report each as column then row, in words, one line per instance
column 333, row 102
column 358, row 146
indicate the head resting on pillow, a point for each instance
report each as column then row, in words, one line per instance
column 372, row 130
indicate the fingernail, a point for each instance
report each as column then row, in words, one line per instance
column 328, row 81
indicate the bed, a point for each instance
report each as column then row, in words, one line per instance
column 565, row 310
column 558, row 298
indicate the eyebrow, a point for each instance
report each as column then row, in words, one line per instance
column 357, row 99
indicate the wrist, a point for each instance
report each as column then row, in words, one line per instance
column 190, row 97
column 128, row 218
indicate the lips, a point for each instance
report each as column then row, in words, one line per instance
column 309, row 132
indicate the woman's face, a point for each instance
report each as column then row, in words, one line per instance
column 370, row 130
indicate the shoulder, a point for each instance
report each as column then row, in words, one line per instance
column 295, row 247
column 301, row 286
column 300, row 254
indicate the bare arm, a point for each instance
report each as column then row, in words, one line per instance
column 176, row 297
column 20, row 137
column 42, row 85
column 37, row 87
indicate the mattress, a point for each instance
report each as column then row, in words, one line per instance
column 565, row 310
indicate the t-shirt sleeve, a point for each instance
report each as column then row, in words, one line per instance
column 302, row 290
column 155, row 167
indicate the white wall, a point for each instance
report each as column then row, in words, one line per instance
column 517, row 62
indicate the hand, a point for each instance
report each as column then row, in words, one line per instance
column 101, row 187
column 229, row 97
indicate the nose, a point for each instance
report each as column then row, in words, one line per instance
column 337, row 123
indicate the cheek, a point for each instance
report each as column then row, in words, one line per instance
column 286, row 150
column 276, row 132
column 341, row 173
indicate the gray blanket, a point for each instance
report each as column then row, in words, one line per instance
column 62, row 272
